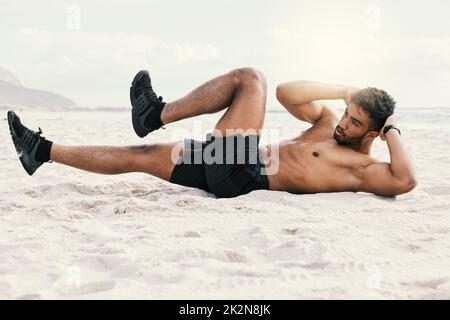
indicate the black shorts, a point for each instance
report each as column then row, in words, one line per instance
column 225, row 166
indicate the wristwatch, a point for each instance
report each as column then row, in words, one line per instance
column 386, row 129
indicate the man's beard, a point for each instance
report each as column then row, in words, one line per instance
column 343, row 140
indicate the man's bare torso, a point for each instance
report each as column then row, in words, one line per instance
column 314, row 162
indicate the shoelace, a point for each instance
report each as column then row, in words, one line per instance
column 149, row 96
column 30, row 137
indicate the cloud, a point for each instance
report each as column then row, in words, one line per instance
column 415, row 68
column 69, row 60
column 84, row 48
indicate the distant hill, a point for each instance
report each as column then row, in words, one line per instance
column 13, row 94
column 8, row 76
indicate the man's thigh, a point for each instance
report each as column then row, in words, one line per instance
column 157, row 159
column 247, row 110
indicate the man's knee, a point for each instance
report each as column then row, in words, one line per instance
column 249, row 75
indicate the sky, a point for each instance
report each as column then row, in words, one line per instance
column 89, row 50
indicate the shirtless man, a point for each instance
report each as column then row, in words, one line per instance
column 333, row 155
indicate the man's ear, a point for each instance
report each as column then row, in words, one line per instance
column 372, row 134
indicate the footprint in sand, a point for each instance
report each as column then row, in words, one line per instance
column 191, row 234
column 186, row 202
column 291, row 231
column 299, row 252
column 438, row 190
column 98, row 286
column 438, row 229
column 188, row 234
column 429, row 283
column 31, row 296
column 120, row 209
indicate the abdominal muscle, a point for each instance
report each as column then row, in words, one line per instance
column 297, row 170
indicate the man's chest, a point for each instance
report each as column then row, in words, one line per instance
column 323, row 154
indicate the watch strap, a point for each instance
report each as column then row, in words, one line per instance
column 386, row 129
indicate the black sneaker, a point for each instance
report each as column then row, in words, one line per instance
column 147, row 107
column 26, row 142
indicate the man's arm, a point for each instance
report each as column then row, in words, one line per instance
column 300, row 98
column 396, row 177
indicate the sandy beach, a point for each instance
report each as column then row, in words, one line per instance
column 69, row 234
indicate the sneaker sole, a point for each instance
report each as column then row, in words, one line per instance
column 12, row 132
column 134, row 115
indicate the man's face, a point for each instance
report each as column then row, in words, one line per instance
column 353, row 126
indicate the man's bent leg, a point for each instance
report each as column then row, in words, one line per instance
column 237, row 134
column 156, row 159
column 213, row 96
column 248, row 107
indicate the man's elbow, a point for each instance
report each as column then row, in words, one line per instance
column 280, row 93
column 407, row 186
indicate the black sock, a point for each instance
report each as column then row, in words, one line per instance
column 154, row 120
column 43, row 151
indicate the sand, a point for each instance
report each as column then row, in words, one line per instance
column 68, row 234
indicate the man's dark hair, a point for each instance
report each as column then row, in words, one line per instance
column 378, row 104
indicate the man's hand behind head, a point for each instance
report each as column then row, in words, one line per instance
column 389, row 121
column 350, row 92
